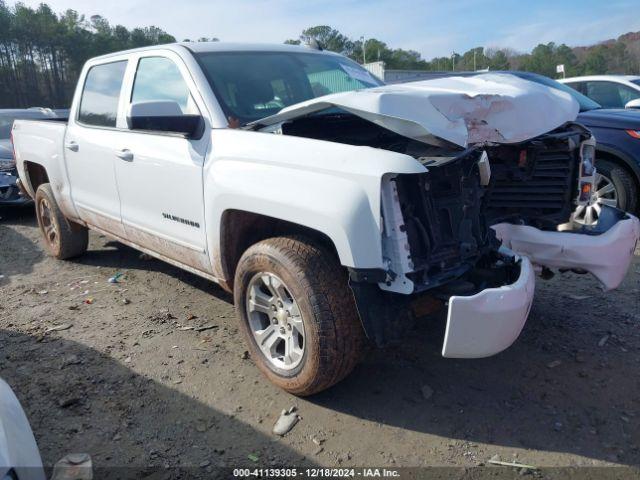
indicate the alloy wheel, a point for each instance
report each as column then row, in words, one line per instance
column 275, row 321
column 49, row 228
column 604, row 194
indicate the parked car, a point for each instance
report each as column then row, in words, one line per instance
column 326, row 218
column 617, row 132
column 9, row 191
column 610, row 91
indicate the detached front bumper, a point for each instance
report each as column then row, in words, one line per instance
column 606, row 255
column 488, row 322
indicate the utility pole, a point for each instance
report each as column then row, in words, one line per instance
column 453, row 59
column 364, row 49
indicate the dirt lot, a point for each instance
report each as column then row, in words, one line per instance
column 130, row 383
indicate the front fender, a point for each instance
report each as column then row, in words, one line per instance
column 328, row 187
column 337, row 207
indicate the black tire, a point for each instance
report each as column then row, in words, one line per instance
column 333, row 335
column 623, row 182
column 62, row 238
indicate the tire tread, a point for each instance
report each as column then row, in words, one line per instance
column 74, row 238
column 324, row 281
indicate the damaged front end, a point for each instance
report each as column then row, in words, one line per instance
column 506, row 167
column 473, row 229
column 440, row 220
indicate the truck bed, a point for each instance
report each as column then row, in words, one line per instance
column 40, row 142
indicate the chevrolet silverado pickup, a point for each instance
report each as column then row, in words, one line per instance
column 328, row 203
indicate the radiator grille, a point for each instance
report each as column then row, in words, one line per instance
column 545, row 187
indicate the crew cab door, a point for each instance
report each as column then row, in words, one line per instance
column 88, row 145
column 159, row 174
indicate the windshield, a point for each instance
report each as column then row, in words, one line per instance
column 586, row 103
column 254, row 85
column 636, row 81
column 6, row 121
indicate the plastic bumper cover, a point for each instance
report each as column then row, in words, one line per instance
column 607, row 256
column 488, row 322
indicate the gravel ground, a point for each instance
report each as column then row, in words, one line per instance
column 133, row 382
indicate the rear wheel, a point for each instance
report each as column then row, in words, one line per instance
column 614, row 187
column 62, row 238
column 298, row 314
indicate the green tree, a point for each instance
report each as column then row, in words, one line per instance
column 498, row 60
column 596, row 61
column 541, row 60
column 41, row 53
column 473, row 59
column 329, row 38
column 564, row 56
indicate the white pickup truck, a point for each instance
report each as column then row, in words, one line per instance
column 327, row 202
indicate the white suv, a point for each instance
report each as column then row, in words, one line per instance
column 610, row 91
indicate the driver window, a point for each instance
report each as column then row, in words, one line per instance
column 158, row 79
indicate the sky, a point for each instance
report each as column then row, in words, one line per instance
column 432, row 27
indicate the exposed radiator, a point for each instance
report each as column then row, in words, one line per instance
column 539, row 189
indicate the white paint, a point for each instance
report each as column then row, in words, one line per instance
column 330, row 187
column 487, row 108
column 395, row 242
column 607, row 256
column 488, row 322
column 18, row 448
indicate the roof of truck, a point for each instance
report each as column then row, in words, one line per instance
column 246, row 47
column 201, row 47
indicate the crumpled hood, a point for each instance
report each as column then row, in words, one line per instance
column 486, row 108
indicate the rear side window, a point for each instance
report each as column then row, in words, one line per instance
column 579, row 86
column 101, row 94
column 610, row 94
column 158, row 79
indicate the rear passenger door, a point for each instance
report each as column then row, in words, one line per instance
column 88, row 145
column 159, row 174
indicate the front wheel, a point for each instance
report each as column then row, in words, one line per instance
column 62, row 238
column 297, row 314
column 614, row 187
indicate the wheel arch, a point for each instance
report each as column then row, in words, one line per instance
column 239, row 229
column 608, row 153
column 36, row 175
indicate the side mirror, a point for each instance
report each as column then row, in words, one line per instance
column 164, row 116
column 633, row 103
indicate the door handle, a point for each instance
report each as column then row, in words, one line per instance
column 125, row 154
column 73, row 146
